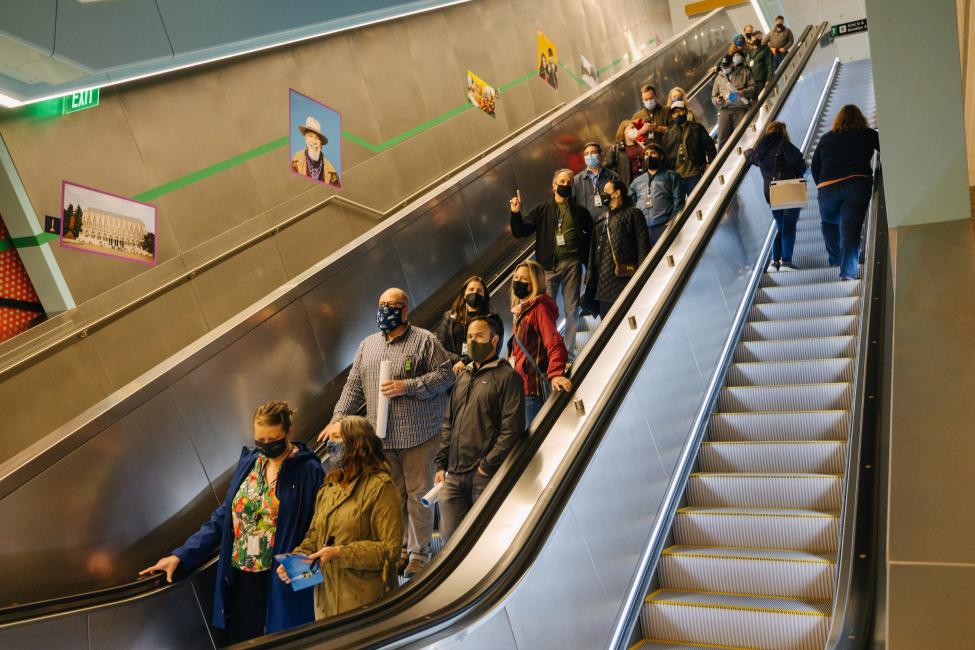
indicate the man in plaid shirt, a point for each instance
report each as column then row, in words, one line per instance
column 419, row 390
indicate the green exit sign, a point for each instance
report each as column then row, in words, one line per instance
column 79, row 101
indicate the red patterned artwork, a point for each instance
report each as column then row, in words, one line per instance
column 14, row 284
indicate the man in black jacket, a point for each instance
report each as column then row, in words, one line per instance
column 563, row 234
column 484, row 420
column 688, row 146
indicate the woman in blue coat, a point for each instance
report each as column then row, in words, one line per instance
column 779, row 160
column 267, row 511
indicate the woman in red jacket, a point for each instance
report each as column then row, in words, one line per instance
column 535, row 332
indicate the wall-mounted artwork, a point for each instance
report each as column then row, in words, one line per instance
column 107, row 224
column 316, row 140
column 548, row 61
column 589, row 72
column 481, row 95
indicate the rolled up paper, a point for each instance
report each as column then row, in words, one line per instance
column 431, row 497
column 382, row 404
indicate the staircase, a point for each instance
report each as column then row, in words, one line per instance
column 753, row 560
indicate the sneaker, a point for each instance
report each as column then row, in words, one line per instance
column 844, row 278
column 789, row 266
column 415, row 566
column 404, row 560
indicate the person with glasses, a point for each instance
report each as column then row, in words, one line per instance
column 418, row 391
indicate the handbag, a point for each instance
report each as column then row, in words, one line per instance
column 620, row 270
column 787, row 193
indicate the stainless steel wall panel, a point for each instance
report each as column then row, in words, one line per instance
column 571, row 134
column 63, row 634
column 104, row 511
column 534, row 164
column 386, row 166
column 171, row 620
column 486, row 205
column 276, row 360
column 307, row 242
column 417, row 164
column 226, row 289
column 712, row 314
column 423, row 49
column 493, row 634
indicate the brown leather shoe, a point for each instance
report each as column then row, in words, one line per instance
column 415, row 566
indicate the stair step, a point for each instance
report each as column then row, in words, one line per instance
column 803, row 308
column 757, row 427
column 766, row 490
column 802, row 276
column 810, row 530
column 807, row 397
column 733, row 620
column 759, row 572
column 805, row 457
column 811, row 371
column 808, row 291
column 827, row 347
column 811, row 259
column 799, row 328
column 655, row 644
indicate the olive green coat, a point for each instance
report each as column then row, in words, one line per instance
column 366, row 520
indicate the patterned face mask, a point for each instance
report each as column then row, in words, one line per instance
column 389, row 318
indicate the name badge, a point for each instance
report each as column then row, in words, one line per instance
column 597, row 201
column 649, row 202
column 253, row 545
column 560, row 239
column 463, row 350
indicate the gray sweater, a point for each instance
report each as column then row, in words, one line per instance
column 739, row 81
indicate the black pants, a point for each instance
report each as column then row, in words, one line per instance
column 246, row 607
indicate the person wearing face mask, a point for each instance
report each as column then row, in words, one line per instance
column 652, row 114
column 357, row 526
column 658, row 193
column 418, row 392
column 535, row 348
column 677, row 94
column 738, row 44
column 748, row 31
column 732, row 93
column 485, row 419
column 267, row 511
column 626, row 156
column 689, row 147
column 780, row 40
column 620, row 243
column 311, row 160
column 563, row 231
column 587, row 183
column 472, row 302
column 758, row 58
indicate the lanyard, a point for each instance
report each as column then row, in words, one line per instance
column 558, row 220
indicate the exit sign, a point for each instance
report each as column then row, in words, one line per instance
column 79, row 101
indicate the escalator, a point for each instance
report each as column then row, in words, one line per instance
column 151, row 434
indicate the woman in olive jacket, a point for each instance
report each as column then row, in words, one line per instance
column 620, row 244
column 357, row 528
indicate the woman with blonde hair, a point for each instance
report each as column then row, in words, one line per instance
column 357, row 528
column 843, row 175
column 536, row 348
column 626, row 156
column 677, row 94
column 266, row 512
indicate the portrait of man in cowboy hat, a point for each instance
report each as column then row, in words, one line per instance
column 310, row 160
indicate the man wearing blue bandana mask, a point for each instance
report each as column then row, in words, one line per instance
column 418, row 392
column 587, row 183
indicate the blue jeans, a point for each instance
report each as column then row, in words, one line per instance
column 776, row 60
column 785, row 235
column 688, row 183
column 842, row 209
column 533, row 404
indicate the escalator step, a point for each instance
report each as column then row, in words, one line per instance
column 732, row 620
column 799, row 328
column 812, row 371
column 802, row 276
column 807, row 397
column 748, row 427
column 807, row 457
column 655, row 644
column 796, row 350
column 803, row 308
column 766, row 490
column 759, row 572
column 808, row 291
column 810, row 530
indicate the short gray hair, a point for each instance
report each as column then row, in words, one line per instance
column 564, row 170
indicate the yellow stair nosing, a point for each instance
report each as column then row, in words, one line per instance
column 688, row 643
column 823, row 515
column 801, row 338
column 765, row 475
column 715, row 556
column 745, row 608
column 728, row 593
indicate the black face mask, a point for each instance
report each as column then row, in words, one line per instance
column 521, row 289
column 474, row 300
column 272, row 449
column 779, row 28
column 604, row 198
column 565, row 191
column 653, row 163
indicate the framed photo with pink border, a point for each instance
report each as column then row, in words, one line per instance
column 107, row 224
column 315, row 138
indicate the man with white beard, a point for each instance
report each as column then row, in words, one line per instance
column 310, row 161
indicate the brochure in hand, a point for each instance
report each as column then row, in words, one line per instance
column 302, row 572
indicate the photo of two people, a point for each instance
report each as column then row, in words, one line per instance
column 548, row 61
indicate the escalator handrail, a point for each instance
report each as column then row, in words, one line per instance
column 517, row 559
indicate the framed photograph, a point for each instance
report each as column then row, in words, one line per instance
column 481, row 95
column 316, row 140
column 107, row 224
column 548, row 61
column 589, row 72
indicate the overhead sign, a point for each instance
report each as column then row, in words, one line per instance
column 80, row 101
column 851, row 27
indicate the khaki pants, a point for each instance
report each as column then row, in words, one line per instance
column 412, row 472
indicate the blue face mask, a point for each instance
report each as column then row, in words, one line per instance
column 592, row 160
column 650, row 104
column 389, row 318
column 336, row 452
